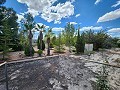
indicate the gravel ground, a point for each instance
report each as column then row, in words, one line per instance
column 56, row 73
column 61, row 73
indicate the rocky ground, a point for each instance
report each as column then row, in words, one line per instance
column 56, row 73
column 62, row 73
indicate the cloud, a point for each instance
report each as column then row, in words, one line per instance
column 77, row 15
column 110, row 16
column 117, row 4
column 114, row 30
column 47, row 11
column 91, row 28
column 56, row 13
column 74, row 23
column 56, row 29
column 33, row 12
column 20, row 17
column 97, row 1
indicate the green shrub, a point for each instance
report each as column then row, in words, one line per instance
column 39, row 51
column 118, row 43
column 17, row 47
column 27, row 51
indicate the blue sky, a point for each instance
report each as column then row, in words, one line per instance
column 89, row 14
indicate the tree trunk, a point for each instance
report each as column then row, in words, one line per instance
column 41, row 37
column 30, row 41
column 48, row 42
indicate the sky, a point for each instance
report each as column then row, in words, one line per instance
column 88, row 14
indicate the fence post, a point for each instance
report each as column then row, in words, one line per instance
column 6, row 76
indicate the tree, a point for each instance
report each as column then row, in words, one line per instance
column 97, row 39
column 69, row 34
column 29, row 25
column 9, row 15
column 79, row 43
column 41, row 45
column 5, row 39
column 49, row 35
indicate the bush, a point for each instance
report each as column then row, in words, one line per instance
column 118, row 43
column 27, row 51
column 17, row 47
column 39, row 52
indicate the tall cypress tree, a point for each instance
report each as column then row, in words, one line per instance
column 79, row 43
column 77, row 46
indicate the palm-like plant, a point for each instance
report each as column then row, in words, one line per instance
column 40, row 37
column 29, row 25
column 49, row 35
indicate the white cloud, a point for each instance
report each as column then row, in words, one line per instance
column 20, row 17
column 57, row 29
column 38, row 5
column 117, row 4
column 110, row 16
column 56, row 13
column 74, row 23
column 114, row 30
column 97, row 1
column 33, row 12
column 77, row 15
column 48, row 11
column 91, row 28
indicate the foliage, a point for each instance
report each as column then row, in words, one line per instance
column 68, row 34
column 49, row 35
column 27, row 51
column 38, row 44
column 97, row 39
column 18, row 47
column 118, row 43
column 53, row 40
column 79, row 43
column 110, row 42
column 39, row 52
column 23, row 40
column 9, row 15
column 5, row 39
column 102, row 82
column 28, row 24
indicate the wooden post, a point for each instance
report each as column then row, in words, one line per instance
column 6, row 76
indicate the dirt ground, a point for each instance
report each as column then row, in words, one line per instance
column 19, row 55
